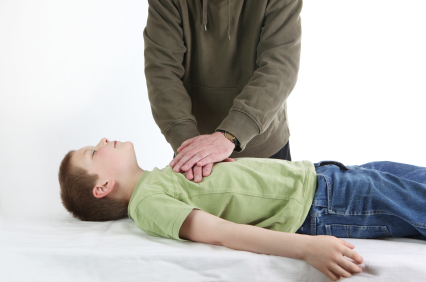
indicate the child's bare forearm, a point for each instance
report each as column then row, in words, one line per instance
column 262, row 241
column 326, row 253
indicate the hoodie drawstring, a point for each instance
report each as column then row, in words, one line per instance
column 205, row 14
column 229, row 20
column 205, row 17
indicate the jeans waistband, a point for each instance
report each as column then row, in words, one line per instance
column 323, row 163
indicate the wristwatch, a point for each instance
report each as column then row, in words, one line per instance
column 230, row 137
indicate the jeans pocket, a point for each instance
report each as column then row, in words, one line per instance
column 357, row 231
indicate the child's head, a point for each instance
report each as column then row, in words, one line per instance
column 94, row 180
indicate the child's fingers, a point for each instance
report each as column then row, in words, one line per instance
column 349, row 266
column 347, row 244
column 340, row 271
column 330, row 274
column 353, row 256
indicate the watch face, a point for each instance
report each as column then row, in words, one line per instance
column 229, row 136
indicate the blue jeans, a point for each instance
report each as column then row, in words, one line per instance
column 379, row 199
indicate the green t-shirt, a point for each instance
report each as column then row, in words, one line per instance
column 269, row 193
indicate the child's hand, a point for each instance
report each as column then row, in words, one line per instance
column 327, row 254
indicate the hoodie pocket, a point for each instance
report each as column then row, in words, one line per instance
column 210, row 106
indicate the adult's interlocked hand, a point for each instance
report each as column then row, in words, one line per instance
column 197, row 155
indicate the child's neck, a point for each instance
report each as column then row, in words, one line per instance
column 131, row 184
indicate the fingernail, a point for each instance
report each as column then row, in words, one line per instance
column 172, row 163
column 197, row 177
column 185, row 167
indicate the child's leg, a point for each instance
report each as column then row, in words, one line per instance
column 369, row 201
column 410, row 172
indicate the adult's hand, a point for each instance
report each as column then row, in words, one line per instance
column 197, row 155
column 197, row 173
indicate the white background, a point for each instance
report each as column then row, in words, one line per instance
column 72, row 72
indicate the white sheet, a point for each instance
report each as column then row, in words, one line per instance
column 70, row 250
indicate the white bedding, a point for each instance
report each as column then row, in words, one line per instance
column 70, row 250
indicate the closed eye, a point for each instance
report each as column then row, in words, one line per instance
column 93, row 153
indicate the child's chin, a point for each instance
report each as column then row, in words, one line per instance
column 129, row 145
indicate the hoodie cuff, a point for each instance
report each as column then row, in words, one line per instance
column 241, row 126
column 181, row 132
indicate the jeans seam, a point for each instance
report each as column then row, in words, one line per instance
column 329, row 197
column 313, row 226
column 419, row 225
column 327, row 183
column 383, row 228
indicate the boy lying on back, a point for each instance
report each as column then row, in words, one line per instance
column 265, row 206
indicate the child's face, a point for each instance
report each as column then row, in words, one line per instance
column 108, row 159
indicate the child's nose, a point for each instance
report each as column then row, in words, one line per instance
column 104, row 141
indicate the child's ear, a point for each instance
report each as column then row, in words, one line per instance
column 101, row 190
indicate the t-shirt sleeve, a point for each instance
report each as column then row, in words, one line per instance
column 161, row 215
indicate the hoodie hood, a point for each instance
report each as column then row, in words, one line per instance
column 205, row 6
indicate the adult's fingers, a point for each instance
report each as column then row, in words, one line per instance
column 181, row 152
column 189, row 174
column 185, row 143
column 215, row 145
column 186, row 154
column 210, row 159
column 198, row 174
column 197, row 157
column 207, row 169
column 176, row 159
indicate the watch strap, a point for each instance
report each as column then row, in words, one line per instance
column 230, row 137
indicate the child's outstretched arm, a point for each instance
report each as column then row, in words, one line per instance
column 325, row 253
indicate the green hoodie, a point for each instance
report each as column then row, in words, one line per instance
column 223, row 64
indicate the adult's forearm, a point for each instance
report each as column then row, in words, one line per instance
column 181, row 132
column 277, row 61
column 164, row 51
column 263, row 241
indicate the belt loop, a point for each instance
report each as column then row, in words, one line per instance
column 340, row 165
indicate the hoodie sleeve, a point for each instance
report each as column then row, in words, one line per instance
column 278, row 57
column 164, row 52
